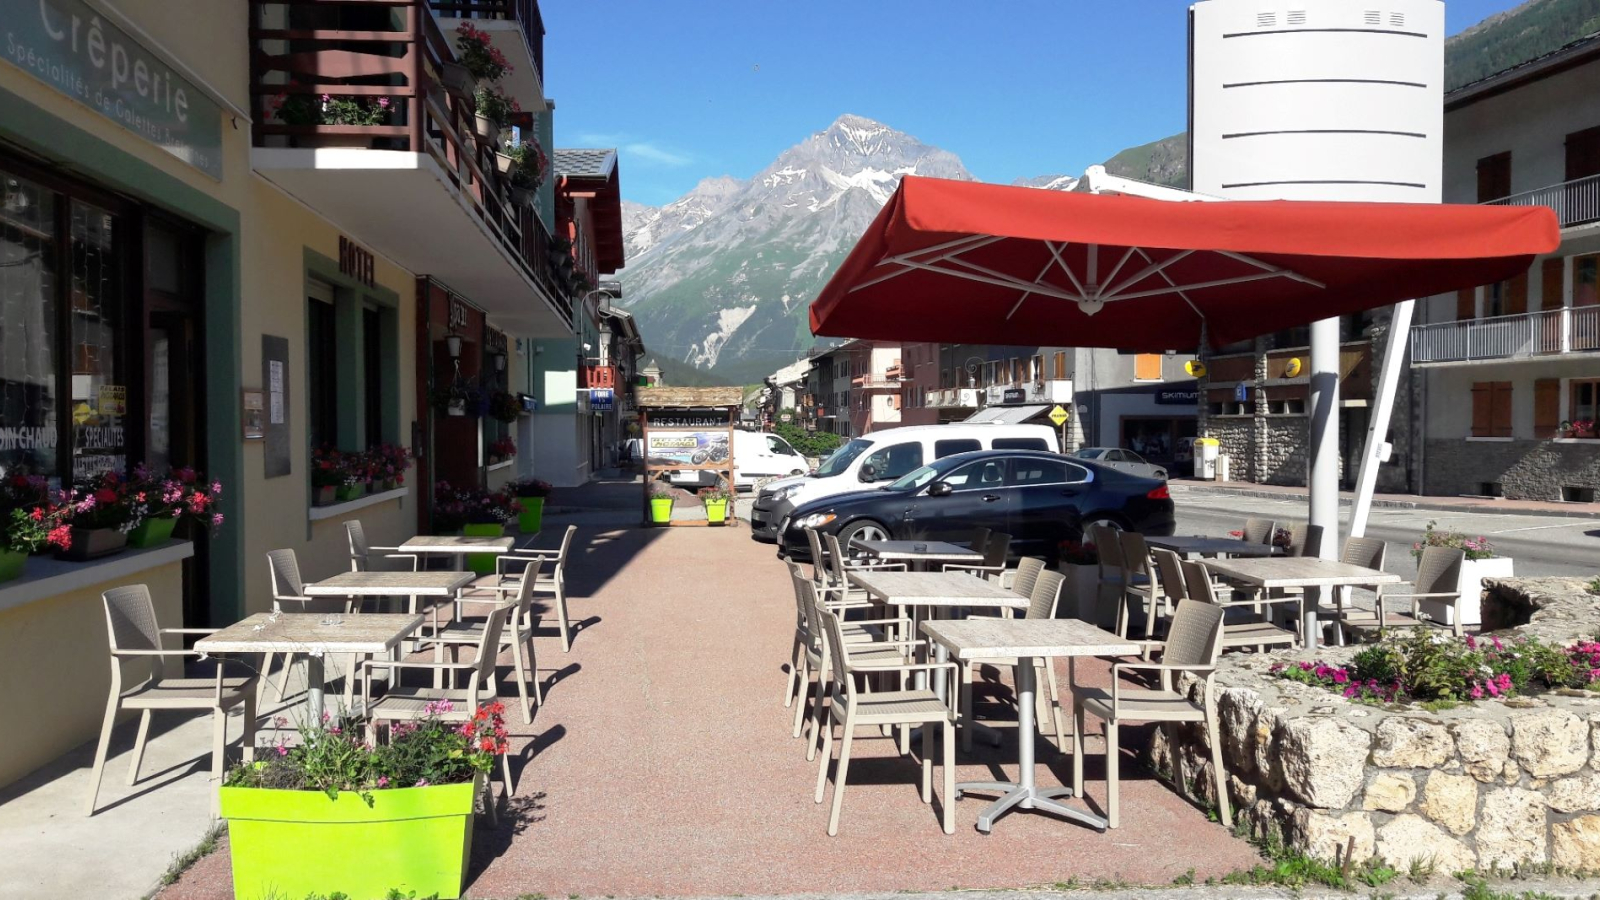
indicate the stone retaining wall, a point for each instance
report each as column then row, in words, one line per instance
column 1485, row 785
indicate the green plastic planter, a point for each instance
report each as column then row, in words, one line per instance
column 716, row 511
column 152, row 532
column 660, row 510
column 531, row 519
column 11, row 565
column 482, row 563
column 300, row 843
column 347, row 492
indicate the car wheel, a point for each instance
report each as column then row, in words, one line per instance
column 866, row 530
column 795, row 473
column 1109, row 520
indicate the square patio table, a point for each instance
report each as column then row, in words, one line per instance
column 1192, row 545
column 1300, row 572
column 930, row 593
column 314, row 636
column 410, row 585
column 1026, row 640
column 455, row 545
column 918, row 555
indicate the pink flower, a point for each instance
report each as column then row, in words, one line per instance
column 1339, row 676
column 383, row 781
column 282, row 750
column 421, row 782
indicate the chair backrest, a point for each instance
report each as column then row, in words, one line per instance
column 980, row 539
column 1197, row 582
column 834, row 646
column 1135, row 553
column 1170, row 569
column 819, row 556
column 286, row 581
column 1260, row 531
column 488, row 650
column 1195, row 638
column 1028, row 569
column 1364, row 551
column 131, row 625
column 1107, row 547
column 1305, row 540
column 1045, row 596
column 997, row 549
column 1439, row 570
column 835, row 560
column 523, row 603
column 359, row 549
column 560, row 566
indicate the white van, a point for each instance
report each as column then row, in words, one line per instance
column 757, row 457
column 876, row 459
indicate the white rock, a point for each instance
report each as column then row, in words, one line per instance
column 1410, row 838
column 1580, row 793
column 1390, row 792
column 1327, row 836
column 1451, row 800
column 1323, row 760
column 1511, row 829
column 1483, row 747
column 1575, row 845
column 1549, row 742
column 1405, row 743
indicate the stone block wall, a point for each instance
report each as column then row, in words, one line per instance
column 1485, row 785
column 1526, row 470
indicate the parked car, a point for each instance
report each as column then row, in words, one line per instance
column 758, row 457
column 1040, row 499
column 877, row 459
column 1122, row 460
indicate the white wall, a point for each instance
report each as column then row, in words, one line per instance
column 1531, row 121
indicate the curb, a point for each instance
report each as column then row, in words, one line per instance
column 1381, row 503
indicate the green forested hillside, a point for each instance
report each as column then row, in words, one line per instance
column 1516, row 36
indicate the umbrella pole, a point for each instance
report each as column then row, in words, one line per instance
column 1323, row 457
column 1376, row 450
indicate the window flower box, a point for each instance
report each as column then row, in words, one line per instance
column 152, row 532
column 93, row 543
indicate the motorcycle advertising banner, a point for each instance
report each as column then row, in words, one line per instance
column 687, row 447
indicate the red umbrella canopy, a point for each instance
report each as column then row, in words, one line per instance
column 993, row 264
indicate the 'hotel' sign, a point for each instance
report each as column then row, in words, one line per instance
column 357, row 262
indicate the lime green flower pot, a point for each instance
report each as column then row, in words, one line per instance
column 716, row 511
column 482, row 563
column 660, row 510
column 531, row 519
column 11, row 564
column 301, row 843
column 152, row 532
column 347, row 492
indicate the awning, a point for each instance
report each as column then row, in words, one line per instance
column 1007, row 415
column 993, row 264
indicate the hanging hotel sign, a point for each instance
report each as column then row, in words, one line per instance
column 73, row 48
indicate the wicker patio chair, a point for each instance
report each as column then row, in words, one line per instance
column 853, row 708
column 1021, row 579
column 1260, row 531
column 1140, row 584
column 517, row 636
column 1042, row 603
column 869, row 652
column 508, row 571
column 289, row 595
column 135, row 638
column 1192, row 645
column 1370, row 553
column 1109, row 595
column 1438, row 579
column 1257, row 633
column 996, row 550
column 366, row 558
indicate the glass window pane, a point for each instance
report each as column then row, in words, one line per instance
column 99, row 393
column 28, row 310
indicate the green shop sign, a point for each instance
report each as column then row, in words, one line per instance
column 73, row 48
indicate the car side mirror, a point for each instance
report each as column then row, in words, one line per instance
column 940, row 489
column 867, row 474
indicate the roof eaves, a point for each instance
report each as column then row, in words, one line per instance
column 1573, row 53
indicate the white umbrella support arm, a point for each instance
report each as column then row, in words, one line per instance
column 1375, row 451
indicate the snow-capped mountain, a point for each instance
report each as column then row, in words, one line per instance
column 1049, row 182
column 721, row 277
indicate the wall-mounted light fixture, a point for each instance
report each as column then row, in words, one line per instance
column 499, row 362
column 452, row 343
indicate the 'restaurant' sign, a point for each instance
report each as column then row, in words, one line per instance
column 71, row 47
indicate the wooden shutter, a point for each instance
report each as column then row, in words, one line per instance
column 1550, row 274
column 1546, row 406
column 1517, row 295
column 1061, row 365
column 1500, row 421
column 1482, row 408
column 1147, row 367
column 1466, row 304
column 1583, row 153
column 1494, row 176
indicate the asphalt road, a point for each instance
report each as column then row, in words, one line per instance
column 1541, row 545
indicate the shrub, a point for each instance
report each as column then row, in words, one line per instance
column 1474, row 547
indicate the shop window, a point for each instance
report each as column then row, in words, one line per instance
column 99, row 388
column 322, row 380
column 1147, row 367
column 1584, row 404
column 372, row 381
column 1491, row 409
column 29, row 325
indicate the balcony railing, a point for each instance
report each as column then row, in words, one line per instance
column 1545, row 333
column 295, row 72
column 1575, row 202
column 524, row 12
column 876, row 382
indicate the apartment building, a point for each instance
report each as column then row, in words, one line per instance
column 1507, row 376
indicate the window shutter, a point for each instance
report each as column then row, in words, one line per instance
column 1147, row 367
column 1583, row 153
column 1517, row 295
column 1466, row 304
column 1546, row 406
column 1494, row 177
column 1061, row 365
column 1501, row 421
column 1550, row 273
column 1482, row 408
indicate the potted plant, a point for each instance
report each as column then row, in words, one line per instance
column 531, row 494
column 1480, row 563
column 161, row 504
column 1080, row 593
column 504, row 406
column 486, row 515
column 327, row 474
column 716, row 499
column 494, row 110
column 326, row 109
column 390, row 461
column 101, row 512
column 460, row 398
column 28, row 531
column 661, row 500
column 479, row 55
column 533, row 168
column 501, row 450
column 333, row 813
column 352, row 478
column 1583, row 428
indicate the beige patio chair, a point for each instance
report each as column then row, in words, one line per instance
column 1438, row 579
column 979, row 539
column 517, row 636
column 366, row 558
column 135, row 641
column 288, row 596
column 1021, row 579
column 508, row 570
column 1260, row 531
column 871, row 652
column 1305, row 540
column 1109, row 595
column 1192, row 645
column 859, row 631
column 851, row 708
column 1257, row 633
column 1140, row 584
column 1367, row 552
column 410, row 704
column 1042, row 603
column 996, row 550
column 838, row 588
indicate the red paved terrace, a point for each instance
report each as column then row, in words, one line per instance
column 661, row 763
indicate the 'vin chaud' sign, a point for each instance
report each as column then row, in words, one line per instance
column 73, row 48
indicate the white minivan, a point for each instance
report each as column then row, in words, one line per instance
column 757, row 457
column 876, row 459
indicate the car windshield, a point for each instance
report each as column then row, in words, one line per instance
column 918, row 477
column 840, row 459
column 1090, row 453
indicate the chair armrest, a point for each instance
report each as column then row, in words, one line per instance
column 875, row 565
column 1389, row 596
column 155, row 653
column 1116, row 683
column 190, row 630
column 969, row 567
column 396, row 664
column 911, row 667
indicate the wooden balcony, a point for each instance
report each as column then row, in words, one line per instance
column 420, row 185
column 516, row 28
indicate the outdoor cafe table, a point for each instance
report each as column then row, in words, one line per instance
column 1026, row 640
column 314, row 636
column 919, row 555
column 1192, row 545
column 392, row 584
column 455, row 545
column 1300, row 572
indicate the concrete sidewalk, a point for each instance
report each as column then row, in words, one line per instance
column 1490, row 505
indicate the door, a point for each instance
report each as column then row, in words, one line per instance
column 1045, row 510
column 979, row 497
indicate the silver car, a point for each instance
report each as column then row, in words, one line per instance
column 1123, row 460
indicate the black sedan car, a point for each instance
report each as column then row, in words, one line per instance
column 1040, row 499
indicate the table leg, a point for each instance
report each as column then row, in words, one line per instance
column 1024, row 792
column 1310, row 631
column 314, row 688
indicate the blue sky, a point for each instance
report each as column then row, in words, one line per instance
column 693, row 88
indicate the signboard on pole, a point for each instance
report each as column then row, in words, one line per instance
column 1059, row 416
